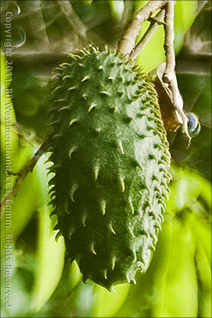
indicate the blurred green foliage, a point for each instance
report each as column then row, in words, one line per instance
column 177, row 283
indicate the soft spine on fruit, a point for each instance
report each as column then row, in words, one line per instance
column 111, row 161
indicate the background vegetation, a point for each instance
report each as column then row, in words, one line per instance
column 177, row 283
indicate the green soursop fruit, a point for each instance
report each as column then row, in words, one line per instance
column 111, row 160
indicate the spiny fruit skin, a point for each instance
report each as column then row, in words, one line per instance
column 111, row 161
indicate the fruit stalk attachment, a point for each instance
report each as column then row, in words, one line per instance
column 128, row 48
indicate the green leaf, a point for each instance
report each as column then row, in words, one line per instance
column 187, row 186
column 106, row 303
column 50, row 261
column 180, row 294
column 50, row 252
column 184, row 16
column 20, row 208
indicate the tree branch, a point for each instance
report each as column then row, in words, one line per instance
column 73, row 19
column 128, row 42
column 154, row 24
column 23, row 173
column 169, row 75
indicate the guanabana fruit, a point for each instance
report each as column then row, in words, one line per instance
column 110, row 158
